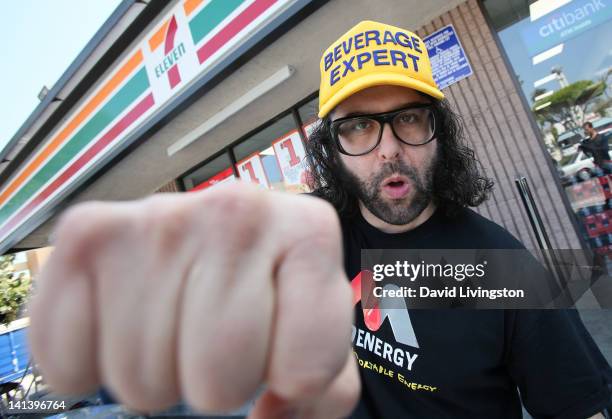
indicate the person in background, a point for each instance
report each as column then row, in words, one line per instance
column 596, row 145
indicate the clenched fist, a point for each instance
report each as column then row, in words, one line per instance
column 204, row 297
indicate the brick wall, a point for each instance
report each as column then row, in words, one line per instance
column 169, row 187
column 501, row 134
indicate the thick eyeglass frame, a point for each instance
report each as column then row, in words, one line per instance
column 382, row 118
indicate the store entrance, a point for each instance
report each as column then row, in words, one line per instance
column 560, row 53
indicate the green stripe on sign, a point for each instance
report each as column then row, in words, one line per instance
column 100, row 121
column 210, row 16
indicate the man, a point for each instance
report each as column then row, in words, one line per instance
column 596, row 145
column 394, row 164
column 210, row 296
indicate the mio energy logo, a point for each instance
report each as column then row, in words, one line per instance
column 374, row 314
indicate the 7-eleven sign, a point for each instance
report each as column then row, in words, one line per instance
column 170, row 58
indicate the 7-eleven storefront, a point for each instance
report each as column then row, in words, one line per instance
column 190, row 94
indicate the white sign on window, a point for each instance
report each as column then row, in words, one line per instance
column 252, row 170
column 291, row 157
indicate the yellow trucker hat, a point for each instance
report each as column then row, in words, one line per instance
column 374, row 54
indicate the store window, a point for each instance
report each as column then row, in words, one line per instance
column 560, row 51
column 308, row 114
column 215, row 172
column 274, row 157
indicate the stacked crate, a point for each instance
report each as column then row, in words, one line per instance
column 594, row 198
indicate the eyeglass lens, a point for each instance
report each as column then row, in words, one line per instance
column 361, row 134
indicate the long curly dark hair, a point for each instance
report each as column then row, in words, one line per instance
column 458, row 179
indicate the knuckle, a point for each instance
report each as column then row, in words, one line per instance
column 318, row 235
column 78, row 227
column 167, row 223
column 208, row 385
column 346, row 397
column 140, row 396
column 134, row 399
column 153, row 390
column 236, row 215
column 235, row 202
column 129, row 385
column 303, row 385
column 200, row 397
column 63, row 386
column 236, row 191
column 321, row 219
column 72, row 226
column 205, row 395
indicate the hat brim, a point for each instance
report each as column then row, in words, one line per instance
column 379, row 79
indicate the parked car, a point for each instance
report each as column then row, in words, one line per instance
column 580, row 165
column 569, row 140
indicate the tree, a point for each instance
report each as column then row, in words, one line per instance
column 14, row 289
column 601, row 107
column 569, row 104
column 605, row 77
column 537, row 92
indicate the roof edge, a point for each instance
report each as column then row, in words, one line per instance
column 94, row 42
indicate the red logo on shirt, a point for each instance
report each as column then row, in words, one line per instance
column 378, row 309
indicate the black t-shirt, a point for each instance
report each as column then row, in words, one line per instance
column 597, row 147
column 470, row 363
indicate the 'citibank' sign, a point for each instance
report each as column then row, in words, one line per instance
column 565, row 23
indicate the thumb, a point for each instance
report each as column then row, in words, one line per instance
column 337, row 401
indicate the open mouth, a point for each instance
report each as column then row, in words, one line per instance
column 396, row 187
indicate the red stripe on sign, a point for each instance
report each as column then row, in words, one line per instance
column 173, row 76
column 172, row 27
column 104, row 141
column 247, row 16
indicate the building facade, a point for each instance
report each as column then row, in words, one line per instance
column 189, row 94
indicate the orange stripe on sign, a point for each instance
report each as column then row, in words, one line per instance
column 157, row 39
column 54, row 144
column 190, row 5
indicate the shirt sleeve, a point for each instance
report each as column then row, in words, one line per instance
column 556, row 365
column 587, row 149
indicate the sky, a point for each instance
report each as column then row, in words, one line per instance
column 41, row 38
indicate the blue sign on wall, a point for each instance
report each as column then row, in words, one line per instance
column 448, row 59
column 565, row 23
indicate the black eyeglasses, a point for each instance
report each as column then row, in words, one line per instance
column 358, row 135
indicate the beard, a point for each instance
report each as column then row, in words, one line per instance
column 400, row 212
